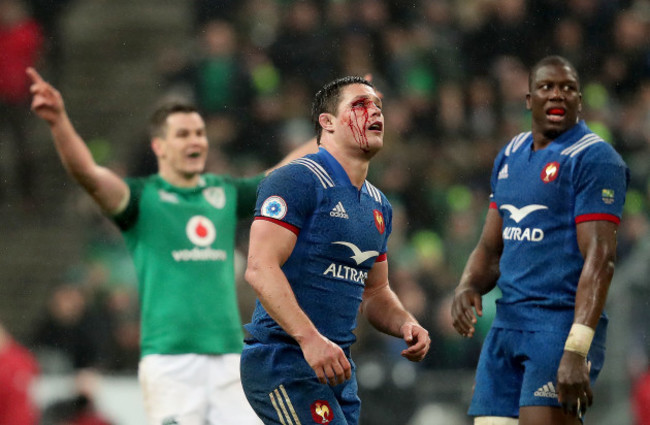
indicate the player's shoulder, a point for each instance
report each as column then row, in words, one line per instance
column 141, row 179
column 138, row 183
column 211, row 179
column 592, row 148
column 309, row 169
column 515, row 144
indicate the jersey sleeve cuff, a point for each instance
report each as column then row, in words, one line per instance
column 288, row 226
column 597, row 217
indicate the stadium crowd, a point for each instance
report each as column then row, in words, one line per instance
column 454, row 76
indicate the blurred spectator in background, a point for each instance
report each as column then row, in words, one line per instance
column 510, row 32
column 629, row 305
column 66, row 338
column 206, row 10
column 217, row 81
column 21, row 40
column 48, row 14
column 628, row 47
column 18, row 371
column 79, row 409
column 303, row 48
column 641, row 399
column 107, row 278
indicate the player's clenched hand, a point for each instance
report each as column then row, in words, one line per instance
column 327, row 359
column 466, row 301
column 418, row 341
column 47, row 102
column 574, row 390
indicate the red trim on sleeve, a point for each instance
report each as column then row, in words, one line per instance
column 493, row 205
column 597, row 217
column 288, row 226
column 382, row 257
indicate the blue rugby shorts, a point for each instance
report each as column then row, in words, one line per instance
column 519, row 368
column 283, row 389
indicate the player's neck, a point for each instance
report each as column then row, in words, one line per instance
column 540, row 141
column 180, row 180
column 356, row 167
column 357, row 173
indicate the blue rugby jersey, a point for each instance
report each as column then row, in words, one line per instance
column 342, row 231
column 541, row 197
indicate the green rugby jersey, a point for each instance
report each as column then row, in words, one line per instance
column 182, row 241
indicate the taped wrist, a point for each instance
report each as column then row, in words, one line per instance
column 579, row 339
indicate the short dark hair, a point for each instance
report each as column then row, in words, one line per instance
column 158, row 120
column 328, row 97
column 551, row 60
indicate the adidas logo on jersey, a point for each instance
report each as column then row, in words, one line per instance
column 339, row 211
column 547, row 390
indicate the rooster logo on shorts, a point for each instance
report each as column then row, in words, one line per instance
column 321, row 412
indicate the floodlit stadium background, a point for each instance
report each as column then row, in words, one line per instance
column 453, row 75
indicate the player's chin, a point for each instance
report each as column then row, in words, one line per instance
column 196, row 168
column 373, row 148
column 376, row 140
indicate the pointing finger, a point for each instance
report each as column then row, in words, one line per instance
column 35, row 76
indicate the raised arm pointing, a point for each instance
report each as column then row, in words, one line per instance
column 107, row 188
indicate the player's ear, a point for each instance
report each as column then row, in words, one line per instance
column 579, row 102
column 528, row 101
column 158, row 146
column 326, row 121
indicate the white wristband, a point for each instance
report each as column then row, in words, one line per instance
column 579, row 339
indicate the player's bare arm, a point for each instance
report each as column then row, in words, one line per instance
column 270, row 246
column 383, row 309
column 479, row 276
column 106, row 187
column 597, row 242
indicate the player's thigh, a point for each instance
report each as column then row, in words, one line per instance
column 539, row 396
column 499, row 376
column 228, row 404
column 283, row 389
column 545, row 415
column 544, row 351
column 174, row 388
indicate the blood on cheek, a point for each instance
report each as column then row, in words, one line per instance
column 357, row 121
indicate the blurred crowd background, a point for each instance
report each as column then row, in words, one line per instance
column 454, row 75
